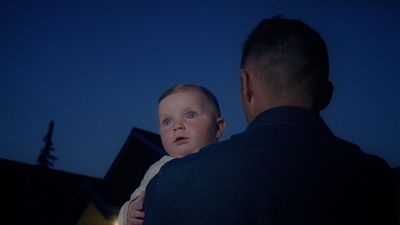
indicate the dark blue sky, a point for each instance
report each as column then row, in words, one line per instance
column 97, row 69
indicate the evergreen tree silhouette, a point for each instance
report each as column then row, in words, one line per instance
column 45, row 156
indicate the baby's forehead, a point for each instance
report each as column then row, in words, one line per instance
column 202, row 100
column 205, row 95
column 184, row 100
column 190, row 91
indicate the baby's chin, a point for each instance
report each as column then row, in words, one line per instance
column 183, row 154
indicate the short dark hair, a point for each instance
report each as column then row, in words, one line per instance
column 288, row 54
column 181, row 87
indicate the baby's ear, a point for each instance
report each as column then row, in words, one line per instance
column 220, row 127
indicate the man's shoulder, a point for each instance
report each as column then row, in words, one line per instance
column 352, row 151
column 209, row 154
column 158, row 164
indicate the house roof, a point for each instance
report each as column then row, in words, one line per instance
column 33, row 194
column 140, row 150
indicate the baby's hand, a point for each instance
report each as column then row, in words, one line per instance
column 135, row 212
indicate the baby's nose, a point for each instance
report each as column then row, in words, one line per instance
column 178, row 125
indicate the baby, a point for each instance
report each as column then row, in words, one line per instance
column 189, row 119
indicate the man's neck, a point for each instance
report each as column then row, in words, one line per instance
column 273, row 102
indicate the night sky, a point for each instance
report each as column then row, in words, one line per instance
column 97, row 69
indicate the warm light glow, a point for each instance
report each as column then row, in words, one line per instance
column 116, row 222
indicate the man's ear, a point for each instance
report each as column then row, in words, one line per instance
column 220, row 127
column 324, row 96
column 246, row 85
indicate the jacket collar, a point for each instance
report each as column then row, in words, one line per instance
column 289, row 115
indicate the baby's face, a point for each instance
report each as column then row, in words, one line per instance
column 187, row 122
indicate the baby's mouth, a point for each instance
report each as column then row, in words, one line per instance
column 181, row 140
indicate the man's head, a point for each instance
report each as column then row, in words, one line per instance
column 284, row 63
column 189, row 118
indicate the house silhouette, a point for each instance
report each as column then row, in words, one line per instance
column 35, row 195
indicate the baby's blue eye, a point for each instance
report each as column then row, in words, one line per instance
column 191, row 115
column 166, row 122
